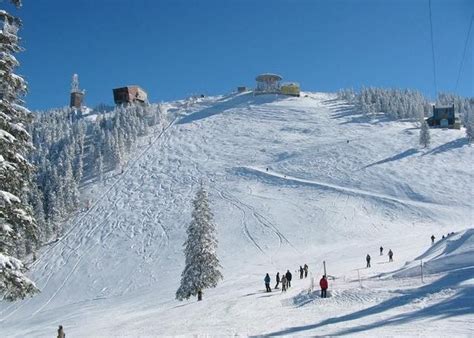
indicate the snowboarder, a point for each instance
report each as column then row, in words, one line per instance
column 432, row 239
column 284, row 283
column 301, row 272
column 305, row 270
column 288, row 278
column 367, row 258
column 390, row 255
column 61, row 333
column 381, row 251
column 267, row 282
column 278, row 280
column 323, row 283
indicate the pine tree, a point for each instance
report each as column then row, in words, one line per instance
column 424, row 134
column 18, row 228
column 202, row 266
column 470, row 125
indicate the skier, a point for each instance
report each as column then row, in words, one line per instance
column 288, row 278
column 284, row 283
column 301, row 272
column 432, row 239
column 267, row 282
column 278, row 280
column 390, row 255
column 367, row 258
column 61, row 333
column 323, row 283
column 305, row 270
column 381, row 251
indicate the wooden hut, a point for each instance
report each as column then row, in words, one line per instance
column 129, row 94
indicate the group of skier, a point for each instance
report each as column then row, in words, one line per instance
column 433, row 237
column 285, row 279
column 390, row 256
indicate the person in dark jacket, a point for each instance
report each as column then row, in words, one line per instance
column 278, row 280
column 390, row 255
column 323, row 283
column 305, row 267
column 301, row 272
column 288, row 278
column 61, row 333
column 267, row 282
column 432, row 239
column 367, row 258
column 381, row 251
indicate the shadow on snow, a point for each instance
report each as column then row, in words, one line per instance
column 461, row 303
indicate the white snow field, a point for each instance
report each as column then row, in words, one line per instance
column 337, row 188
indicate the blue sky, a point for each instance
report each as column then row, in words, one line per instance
column 175, row 48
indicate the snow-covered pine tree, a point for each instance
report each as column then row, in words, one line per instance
column 202, row 266
column 18, row 228
column 424, row 134
column 469, row 121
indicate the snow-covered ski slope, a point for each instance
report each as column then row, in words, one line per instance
column 291, row 181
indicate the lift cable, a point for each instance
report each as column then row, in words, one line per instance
column 433, row 51
column 464, row 54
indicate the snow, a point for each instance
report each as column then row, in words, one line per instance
column 8, row 197
column 116, row 270
column 6, row 136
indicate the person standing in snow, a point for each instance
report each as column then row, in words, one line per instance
column 367, row 258
column 267, row 282
column 288, row 278
column 381, row 251
column 390, row 255
column 61, row 333
column 278, row 280
column 305, row 270
column 323, row 283
column 432, row 239
column 284, row 282
column 301, row 272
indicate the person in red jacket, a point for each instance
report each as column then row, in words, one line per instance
column 323, row 283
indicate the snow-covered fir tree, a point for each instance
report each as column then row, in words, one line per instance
column 424, row 134
column 88, row 148
column 18, row 229
column 202, row 268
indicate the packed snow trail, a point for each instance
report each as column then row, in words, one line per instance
column 118, row 266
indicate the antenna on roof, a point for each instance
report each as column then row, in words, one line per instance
column 75, row 84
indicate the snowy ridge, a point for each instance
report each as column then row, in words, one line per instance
column 115, row 272
column 453, row 252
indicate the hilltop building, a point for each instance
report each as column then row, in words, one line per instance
column 77, row 95
column 444, row 117
column 130, row 94
column 269, row 83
